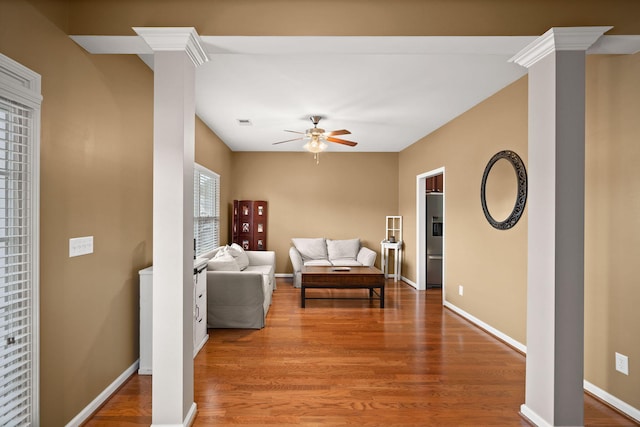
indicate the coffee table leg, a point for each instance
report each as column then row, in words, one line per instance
column 382, row 296
column 302, row 296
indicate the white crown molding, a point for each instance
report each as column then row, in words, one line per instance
column 174, row 39
column 558, row 39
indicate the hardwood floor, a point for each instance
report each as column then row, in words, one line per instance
column 350, row 363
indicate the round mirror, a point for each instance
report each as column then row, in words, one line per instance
column 503, row 191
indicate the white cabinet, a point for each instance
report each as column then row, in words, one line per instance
column 200, row 336
column 199, row 306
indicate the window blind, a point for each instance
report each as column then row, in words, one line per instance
column 206, row 210
column 16, row 283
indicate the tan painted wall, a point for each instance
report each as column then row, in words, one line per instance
column 347, row 195
column 96, row 179
column 354, row 17
column 96, row 144
column 214, row 155
column 612, row 223
column 490, row 264
column 96, row 173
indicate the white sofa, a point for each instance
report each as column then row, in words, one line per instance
column 240, row 285
column 326, row 252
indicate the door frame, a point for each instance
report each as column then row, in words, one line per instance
column 421, row 228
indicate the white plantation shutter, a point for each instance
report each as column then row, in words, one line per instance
column 19, row 150
column 206, row 210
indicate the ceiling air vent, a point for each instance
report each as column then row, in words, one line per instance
column 244, row 122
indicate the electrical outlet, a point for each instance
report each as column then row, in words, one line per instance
column 460, row 290
column 80, row 246
column 622, row 363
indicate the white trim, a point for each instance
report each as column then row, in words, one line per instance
column 556, row 39
column 421, row 226
column 191, row 415
column 86, row 413
column 534, row 418
column 188, row 420
column 350, row 45
column 610, row 399
column 490, row 329
column 174, row 39
column 599, row 393
column 409, row 282
column 23, row 85
column 19, row 81
column 286, row 275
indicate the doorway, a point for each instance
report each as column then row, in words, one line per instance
column 430, row 214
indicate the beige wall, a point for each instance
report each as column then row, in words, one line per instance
column 96, row 146
column 96, row 174
column 96, row 179
column 214, row 155
column 347, row 195
column 612, row 223
column 354, row 17
column 490, row 264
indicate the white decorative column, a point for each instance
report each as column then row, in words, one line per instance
column 177, row 52
column 556, row 162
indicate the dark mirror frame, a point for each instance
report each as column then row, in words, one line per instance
column 521, row 199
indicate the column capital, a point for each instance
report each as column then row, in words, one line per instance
column 174, row 39
column 558, row 39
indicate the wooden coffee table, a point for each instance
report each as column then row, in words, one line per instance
column 340, row 278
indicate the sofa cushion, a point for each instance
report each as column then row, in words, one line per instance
column 346, row 262
column 266, row 271
column 223, row 261
column 343, row 249
column 311, row 249
column 263, row 269
column 318, row 263
column 238, row 253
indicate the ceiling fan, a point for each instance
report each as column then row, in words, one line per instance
column 316, row 138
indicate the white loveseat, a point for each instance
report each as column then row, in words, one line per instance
column 240, row 285
column 326, row 252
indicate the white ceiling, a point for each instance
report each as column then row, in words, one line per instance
column 388, row 91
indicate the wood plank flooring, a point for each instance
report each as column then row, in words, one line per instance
column 350, row 363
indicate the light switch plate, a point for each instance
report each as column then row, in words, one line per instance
column 80, row 246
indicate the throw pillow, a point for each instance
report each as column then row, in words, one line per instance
column 240, row 255
column 223, row 262
column 314, row 248
column 341, row 249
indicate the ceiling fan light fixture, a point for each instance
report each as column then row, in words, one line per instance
column 315, row 145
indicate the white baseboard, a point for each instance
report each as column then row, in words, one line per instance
column 289, row 275
column 188, row 420
column 191, row 416
column 102, row 397
column 409, row 282
column 613, row 401
column 493, row 331
column 610, row 399
column 533, row 417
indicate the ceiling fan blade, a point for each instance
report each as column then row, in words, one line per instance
column 294, row 131
column 342, row 141
column 288, row 140
column 338, row 132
